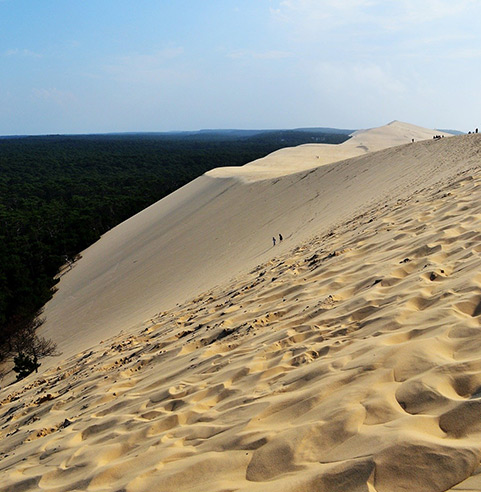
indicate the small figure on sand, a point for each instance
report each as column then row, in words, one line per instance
column 273, row 241
column 280, row 237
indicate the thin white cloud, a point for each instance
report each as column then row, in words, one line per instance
column 328, row 12
column 379, row 30
column 143, row 61
column 53, row 95
column 259, row 55
column 389, row 14
column 428, row 10
column 438, row 47
column 146, row 68
column 22, row 52
column 151, row 59
column 330, row 77
column 374, row 76
column 464, row 54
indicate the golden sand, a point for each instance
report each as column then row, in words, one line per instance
column 346, row 362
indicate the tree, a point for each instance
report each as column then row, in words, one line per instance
column 26, row 347
column 24, row 365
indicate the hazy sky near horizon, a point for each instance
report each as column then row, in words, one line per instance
column 89, row 66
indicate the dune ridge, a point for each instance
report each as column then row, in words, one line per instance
column 303, row 157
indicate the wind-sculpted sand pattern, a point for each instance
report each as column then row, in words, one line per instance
column 351, row 364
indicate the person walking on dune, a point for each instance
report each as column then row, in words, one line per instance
column 273, row 241
column 280, row 237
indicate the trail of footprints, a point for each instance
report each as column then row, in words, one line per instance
column 372, row 324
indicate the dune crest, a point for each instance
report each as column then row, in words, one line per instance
column 309, row 156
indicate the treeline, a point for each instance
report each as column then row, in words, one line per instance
column 58, row 194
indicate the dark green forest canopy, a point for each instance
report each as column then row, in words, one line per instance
column 58, row 194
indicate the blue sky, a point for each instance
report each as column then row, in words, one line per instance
column 90, row 66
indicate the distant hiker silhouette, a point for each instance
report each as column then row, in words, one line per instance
column 280, row 237
column 273, row 241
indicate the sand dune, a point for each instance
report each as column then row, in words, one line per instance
column 304, row 157
column 215, row 228
column 345, row 359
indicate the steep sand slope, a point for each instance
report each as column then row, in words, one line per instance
column 214, row 228
column 350, row 363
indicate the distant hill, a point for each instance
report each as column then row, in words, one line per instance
column 295, row 136
column 453, row 132
column 291, row 136
column 278, row 138
column 341, row 131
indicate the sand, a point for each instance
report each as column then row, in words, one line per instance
column 346, row 359
column 309, row 156
column 216, row 227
